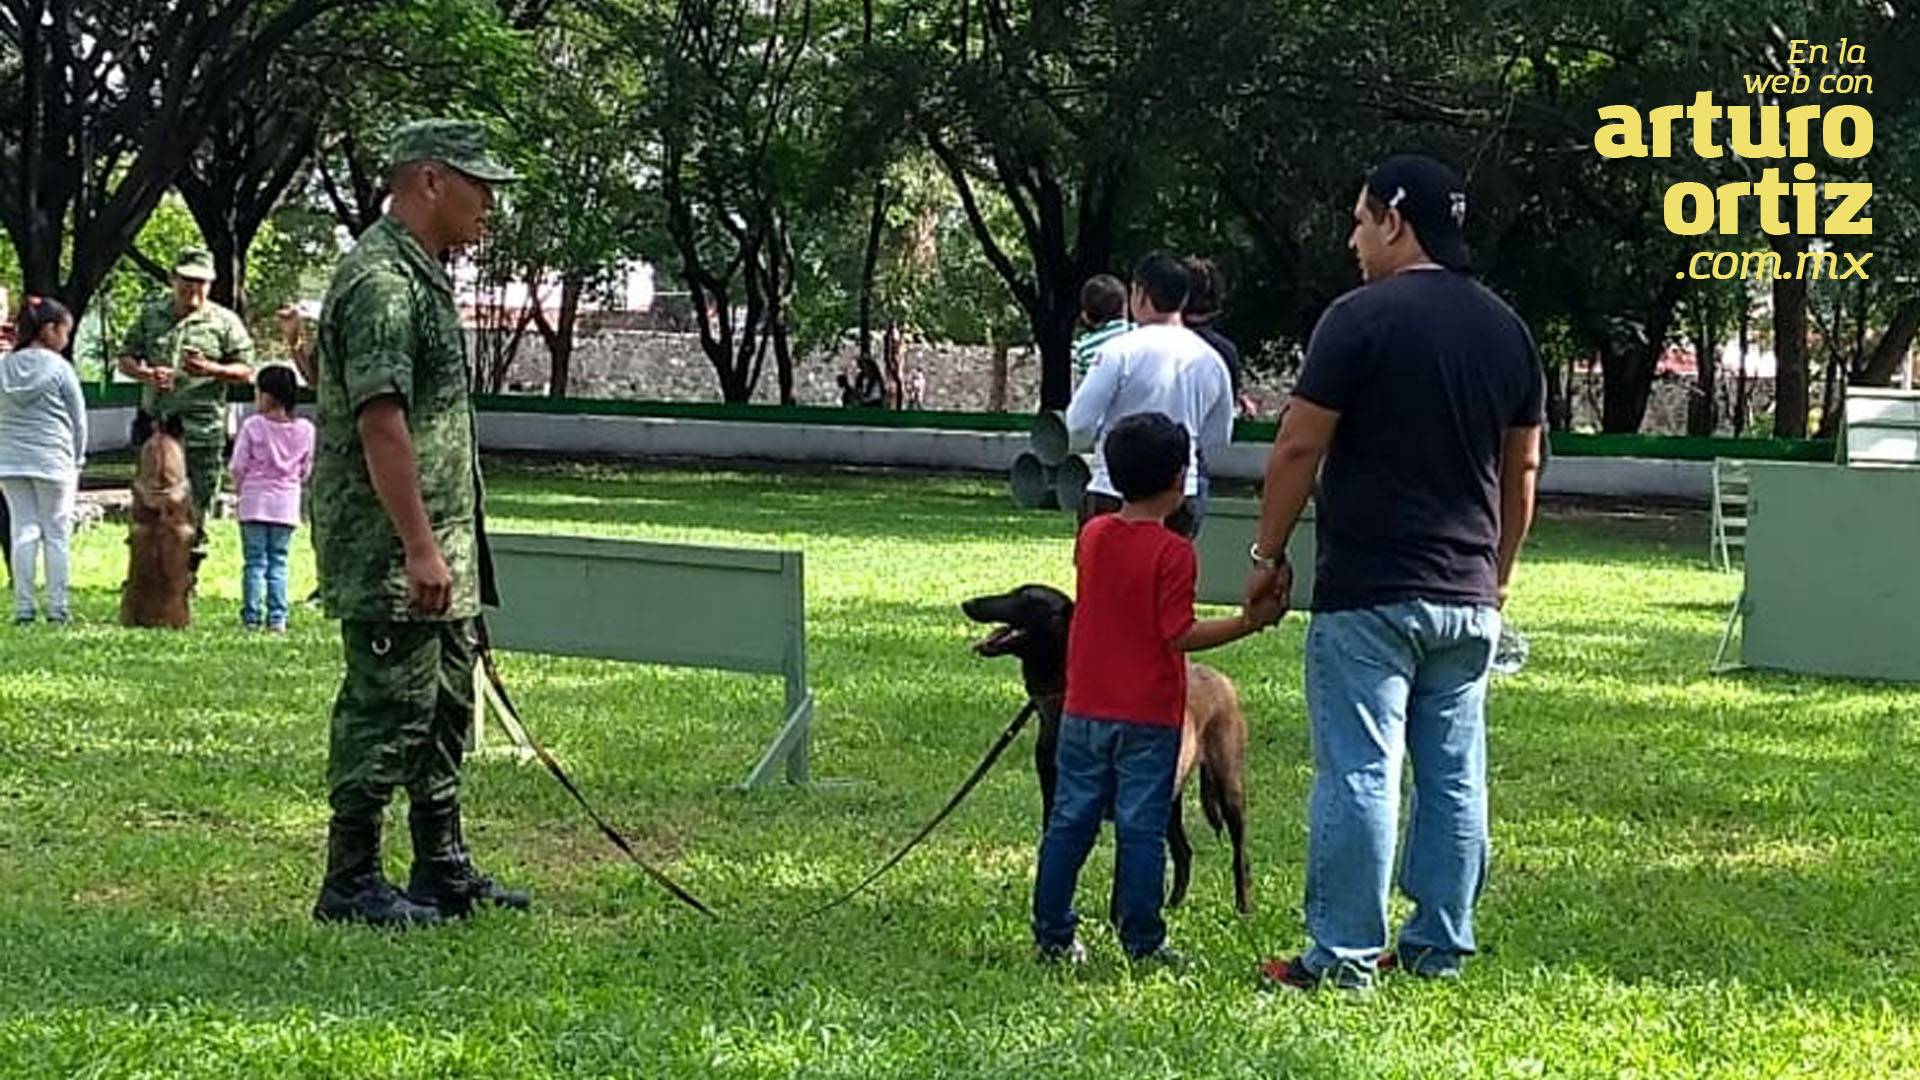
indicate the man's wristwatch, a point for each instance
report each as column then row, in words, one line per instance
column 1264, row 562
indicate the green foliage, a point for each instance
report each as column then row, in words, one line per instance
column 930, row 278
column 1019, row 148
column 577, row 140
column 292, row 259
column 168, row 231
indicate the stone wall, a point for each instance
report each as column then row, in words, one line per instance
column 660, row 366
column 1667, row 406
column 647, row 365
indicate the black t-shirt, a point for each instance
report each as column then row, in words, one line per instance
column 1227, row 350
column 1427, row 369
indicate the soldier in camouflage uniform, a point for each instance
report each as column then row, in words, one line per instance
column 399, row 536
column 187, row 350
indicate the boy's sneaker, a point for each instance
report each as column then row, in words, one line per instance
column 278, row 629
column 1166, row 956
column 1345, row 975
column 1422, row 963
column 1073, row 953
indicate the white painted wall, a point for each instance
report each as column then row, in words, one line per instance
column 990, row 452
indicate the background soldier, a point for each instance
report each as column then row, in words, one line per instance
column 187, row 350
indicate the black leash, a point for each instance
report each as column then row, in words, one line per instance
column 510, row 716
column 993, row 754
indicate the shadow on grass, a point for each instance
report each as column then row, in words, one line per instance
column 916, row 508
column 1763, row 834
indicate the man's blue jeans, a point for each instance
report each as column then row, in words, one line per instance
column 265, row 575
column 1402, row 680
column 1126, row 769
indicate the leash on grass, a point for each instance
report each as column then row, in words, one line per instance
column 999, row 747
column 510, row 716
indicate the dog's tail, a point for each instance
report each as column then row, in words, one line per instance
column 1213, row 800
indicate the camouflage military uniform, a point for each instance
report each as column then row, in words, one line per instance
column 160, row 336
column 390, row 329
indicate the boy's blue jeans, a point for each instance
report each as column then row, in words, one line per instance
column 265, row 576
column 1127, row 769
column 1385, row 684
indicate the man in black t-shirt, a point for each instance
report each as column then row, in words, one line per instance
column 1419, row 411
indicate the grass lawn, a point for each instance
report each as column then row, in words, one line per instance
column 1693, row 876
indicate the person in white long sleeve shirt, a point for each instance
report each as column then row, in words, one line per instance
column 1160, row 366
column 43, row 443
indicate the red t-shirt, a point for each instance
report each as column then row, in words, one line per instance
column 1134, row 598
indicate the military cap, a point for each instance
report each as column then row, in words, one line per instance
column 458, row 144
column 194, row 264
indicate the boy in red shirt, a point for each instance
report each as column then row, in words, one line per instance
column 1127, row 693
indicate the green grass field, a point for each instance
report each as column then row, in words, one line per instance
column 1693, row 876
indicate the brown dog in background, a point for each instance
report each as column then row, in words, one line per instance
column 160, row 539
column 1033, row 626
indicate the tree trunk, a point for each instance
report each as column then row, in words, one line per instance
column 1829, row 408
column 997, row 387
column 780, row 276
column 783, row 359
column 229, row 250
column 1051, row 295
column 1790, row 343
column 39, row 254
column 560, row 340
column 1626, row 381
column 734, row 389
column 1889, row 355
column 1741, row 386
column 560, row 373
column 893, row 351
column 498, row 346
column 1056, row 357
column 1703, row 407
column 1556, row 377
column 1570, row 380
column 355, row 194
column 869, row 270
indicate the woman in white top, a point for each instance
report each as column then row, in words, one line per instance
column 43, row 443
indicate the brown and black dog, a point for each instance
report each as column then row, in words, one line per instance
column 1033, row 626
column 160, row 539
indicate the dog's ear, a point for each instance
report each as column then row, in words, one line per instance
column 175, row 426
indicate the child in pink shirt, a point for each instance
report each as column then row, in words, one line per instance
column 271, row 460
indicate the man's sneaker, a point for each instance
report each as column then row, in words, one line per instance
column 1166, row 956
column 1073, row 953
column 1346, row 975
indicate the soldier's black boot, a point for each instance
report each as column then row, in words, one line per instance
column 443, row 871
column 355, row 889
